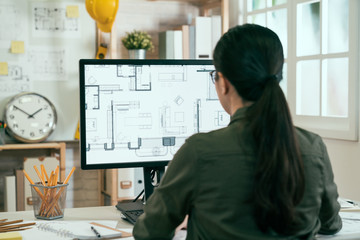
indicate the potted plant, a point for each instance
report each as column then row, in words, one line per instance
column 137, row 43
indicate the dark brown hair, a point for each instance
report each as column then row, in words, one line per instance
column 251, row 58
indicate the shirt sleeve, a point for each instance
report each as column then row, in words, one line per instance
column 329, row 212
column 168, row 205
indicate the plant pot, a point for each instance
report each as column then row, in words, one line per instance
column 137, row 53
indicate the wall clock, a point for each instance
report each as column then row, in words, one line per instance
column 30, row 117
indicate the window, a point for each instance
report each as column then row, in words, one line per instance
column 320, row 40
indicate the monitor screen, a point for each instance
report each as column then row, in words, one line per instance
column 138, row 113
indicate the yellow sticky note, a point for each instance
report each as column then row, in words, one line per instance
column 11, row 236
column 17, row 47
column 4, row 69
column 72, row 11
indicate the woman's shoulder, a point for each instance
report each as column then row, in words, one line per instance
column 310, row 142
column 211, row 136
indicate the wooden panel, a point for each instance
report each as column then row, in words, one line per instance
column 206, row 5
column 56, row 149
column 30, row 146
column 196, row 2
column 20, row 191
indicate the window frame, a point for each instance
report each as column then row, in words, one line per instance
column 345, row 128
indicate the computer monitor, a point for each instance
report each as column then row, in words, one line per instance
column 138, row 113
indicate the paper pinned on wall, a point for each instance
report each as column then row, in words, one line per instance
column 47, row 63
column 12, row 18
column 17, row 47
column 72, row 11
column 4, row 70
column 52, row 20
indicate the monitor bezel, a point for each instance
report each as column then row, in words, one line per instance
column 82, row 64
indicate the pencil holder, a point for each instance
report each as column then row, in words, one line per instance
column 49, row 201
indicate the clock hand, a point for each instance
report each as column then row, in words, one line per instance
column 21, row 110
column 32, row 115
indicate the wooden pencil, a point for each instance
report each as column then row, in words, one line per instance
column 39, row 175
column 10, row 222
column 57, row 173
column 16, row 226
column 12, row 230
column 45, row 173
column 32, row 182
column 69, row 175
column 10, row 226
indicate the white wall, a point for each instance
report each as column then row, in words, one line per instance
column 345, row 159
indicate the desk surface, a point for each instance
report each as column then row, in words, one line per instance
column 110, row 213
column 73, row 214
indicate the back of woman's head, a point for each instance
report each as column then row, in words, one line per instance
column 248, row 55
column 251, row 58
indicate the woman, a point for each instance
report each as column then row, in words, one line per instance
column 258, row 178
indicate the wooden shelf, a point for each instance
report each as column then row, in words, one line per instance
column 55, row 148
column 198, row 3
column 206, row 5
column 30, row 146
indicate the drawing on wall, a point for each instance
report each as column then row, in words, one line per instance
column 47, row 63
column 11, row 19
column 15, row 81
column 10, row 88
column 50, row 20
column 144, row 113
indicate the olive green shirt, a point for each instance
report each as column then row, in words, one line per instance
column 211, row 179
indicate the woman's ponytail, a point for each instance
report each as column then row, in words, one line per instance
column 279, row 177
column 251, row 58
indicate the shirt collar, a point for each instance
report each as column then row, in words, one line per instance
column 239, row 114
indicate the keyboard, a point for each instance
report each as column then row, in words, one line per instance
column 133, row 215
column 131, row 210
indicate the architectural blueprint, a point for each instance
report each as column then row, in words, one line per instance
column 47, row 63
column 49, row 20
column 11, row 26
column 145, row 113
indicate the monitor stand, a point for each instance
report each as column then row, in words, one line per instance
column 152, row 177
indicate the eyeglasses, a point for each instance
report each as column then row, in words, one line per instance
column 213, row 76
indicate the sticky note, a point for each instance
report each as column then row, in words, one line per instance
column 17, row 47
column 10, row 236
column 4, row 69
column 72, row 11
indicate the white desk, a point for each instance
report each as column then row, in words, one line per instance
column 72, row 214
column 111, row 213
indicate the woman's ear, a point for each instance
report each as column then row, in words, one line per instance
column 223, row 84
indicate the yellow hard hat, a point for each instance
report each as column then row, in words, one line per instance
column 103, row 12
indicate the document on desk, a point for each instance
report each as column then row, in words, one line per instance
column 67, row 230
column 348, row 205
column 180, row 235
column 350, row 229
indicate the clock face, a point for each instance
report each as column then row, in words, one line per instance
column 30, row 117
